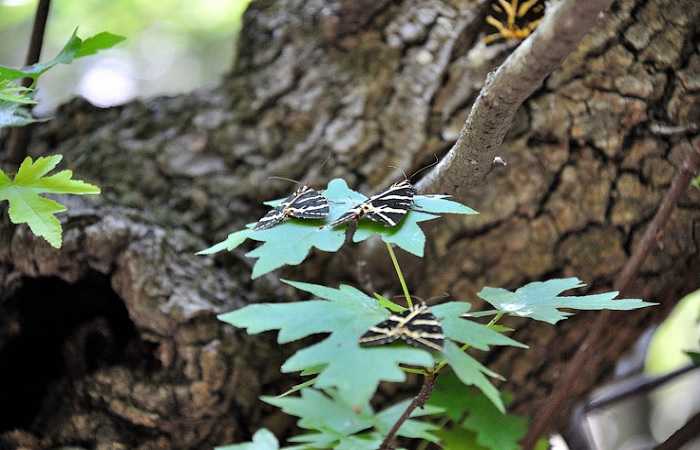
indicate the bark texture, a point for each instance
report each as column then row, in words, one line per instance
column 358, row 85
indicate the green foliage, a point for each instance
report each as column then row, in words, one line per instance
column 336, row 424
column 346, row 314
column 694, row 357
column 474, row 413
column 14, row 97
column 541, row 300
column 27, row 206
column 335, row 403
column 263, row 439
column 74, row 48
column 290, row 242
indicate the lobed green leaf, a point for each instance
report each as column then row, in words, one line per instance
column 26, row 204
column 263, row 439
column 541, row 300
column 289, row 243
column 346, row 313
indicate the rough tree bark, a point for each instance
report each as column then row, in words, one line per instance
column 363, row 84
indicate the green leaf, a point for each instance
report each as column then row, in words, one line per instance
column 74, row 48
column 231, row 242
column 337, row 422
column 471, row 372
column 694, row 357
column 320, row 412
column 100, row 41
column 263, row 439
column 494, row 429
column 466, row 331
column 27, row 206
column 14, row 93
column 15, row 115
column 346, row 313
column 413, row 429
column 408, row 235
column 298, row 387
column 540, row 300
column 289, row 243
column 457, row 438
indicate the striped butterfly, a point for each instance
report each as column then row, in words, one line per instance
column 304, row 203
column 416, row 326
column 387, row 207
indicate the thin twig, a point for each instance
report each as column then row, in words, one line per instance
column 563, row 389
column 688, row 432
column 491, row 116
column 18, row 139
column 417, row 402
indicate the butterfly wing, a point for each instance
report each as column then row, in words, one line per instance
column 274, row 216
column 308, row 203
column 423, row 329
column 384, row 332
column 390, row 206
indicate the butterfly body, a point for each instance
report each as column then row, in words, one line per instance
column 387, row 207
column 304, row 203
column 416, row 326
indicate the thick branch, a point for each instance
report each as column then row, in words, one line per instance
column 491, row 116
column 562, row 390
column 417, row 402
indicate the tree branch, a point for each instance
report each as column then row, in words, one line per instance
column 18, row 139
column 688, row 432
column 572, row 372
column 417, row 402
column 491, row 116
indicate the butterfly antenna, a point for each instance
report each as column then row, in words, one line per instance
column 426, row 167
column 284, row 179
column 399, row 168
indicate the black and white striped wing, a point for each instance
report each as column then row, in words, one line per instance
column 307, row 203
column 424, row 330
column 269, row 220
column 390, row 206
column 417, row 327
column 352, row 215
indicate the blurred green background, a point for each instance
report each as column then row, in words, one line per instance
column 172, row 46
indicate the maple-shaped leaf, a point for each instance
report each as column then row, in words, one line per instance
column 472, row 372
column 541, row 300
column 337, row 423
column 407, row 234
column 472, row 410
column 263, row 439
column 461, row 329
column 290, row 242
column 26, row 203
column 346, row 313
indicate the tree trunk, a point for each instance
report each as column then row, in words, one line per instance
column 324, row 89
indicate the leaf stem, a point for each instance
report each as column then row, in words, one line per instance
column 465, row 347
column 418, row 401
column 402, row 280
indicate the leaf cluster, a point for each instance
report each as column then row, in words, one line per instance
column 291, row 242
column 14, row 98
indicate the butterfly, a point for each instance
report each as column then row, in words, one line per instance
column 304, row 203
column 417, row 326
column 514, row 19
column 387, row 207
